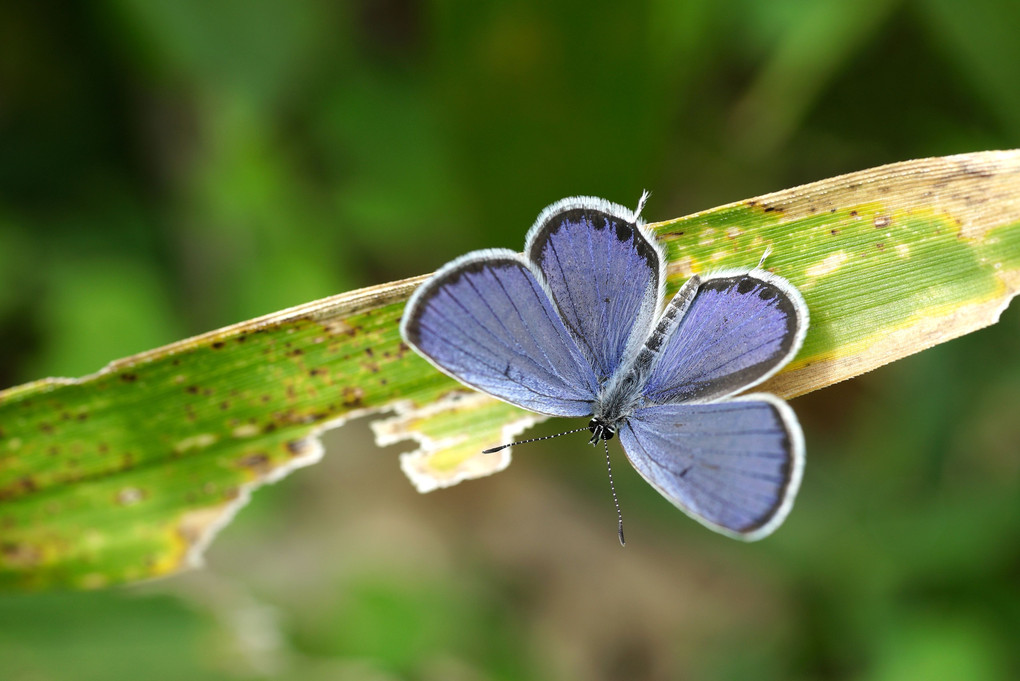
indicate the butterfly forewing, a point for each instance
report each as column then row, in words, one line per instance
column 603, row 274
column 485, row 320
column 737, row 331
column 733, row 465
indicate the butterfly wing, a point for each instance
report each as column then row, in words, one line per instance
column 734, row 332
column 485, row 320
column 603, row 273
column 735, row 466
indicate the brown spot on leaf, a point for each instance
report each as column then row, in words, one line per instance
column 21, row 487
column 257, row 461
column 298, row 447
column 129, row 377
column 20, row 554
column 882, row 221
column 218, row 345
column 352, row 396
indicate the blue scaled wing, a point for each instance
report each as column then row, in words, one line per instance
column 603, row 273
column 735, row 466
column 485, row 320
column 737, row 330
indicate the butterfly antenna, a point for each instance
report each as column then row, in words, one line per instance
column 768, row 249
column 612, row 488
column 641, row 204
column 493, row 450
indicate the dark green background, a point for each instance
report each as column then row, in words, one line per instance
column 170, row 166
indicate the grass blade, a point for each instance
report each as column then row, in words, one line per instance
column 127, row 474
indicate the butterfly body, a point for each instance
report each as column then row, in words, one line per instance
column 576, row 326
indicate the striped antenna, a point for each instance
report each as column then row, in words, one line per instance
column 612, row 488
column 534, row 439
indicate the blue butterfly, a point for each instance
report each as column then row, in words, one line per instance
column 572, row 327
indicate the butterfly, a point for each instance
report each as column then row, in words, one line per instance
column 576, row 327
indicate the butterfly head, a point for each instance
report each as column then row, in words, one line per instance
column 600, row 430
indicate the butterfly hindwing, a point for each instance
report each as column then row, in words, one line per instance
column 486, row 320
column 737, row 331
column 733, row 465
column 603, row 273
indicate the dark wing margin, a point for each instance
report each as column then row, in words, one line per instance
column 735, row 466
column 738, row 330
column 603, row 272
column 485, row 320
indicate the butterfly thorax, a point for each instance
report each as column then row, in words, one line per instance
column 616, row 402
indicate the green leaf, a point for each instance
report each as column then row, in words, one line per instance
column 128, row 473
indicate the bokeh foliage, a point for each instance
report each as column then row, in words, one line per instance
column 170, row 167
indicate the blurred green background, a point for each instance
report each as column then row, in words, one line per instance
column 171, row 166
